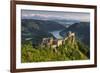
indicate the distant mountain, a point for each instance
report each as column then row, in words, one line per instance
column 82, row 31
column 43, row 25
column 35, row 30
column 66, row 23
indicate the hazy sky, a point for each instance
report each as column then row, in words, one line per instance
column 83, row 16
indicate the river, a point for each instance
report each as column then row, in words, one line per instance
column 56, row 34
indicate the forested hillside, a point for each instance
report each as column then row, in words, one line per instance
column 69, row 51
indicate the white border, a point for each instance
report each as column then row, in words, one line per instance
column 20, row 65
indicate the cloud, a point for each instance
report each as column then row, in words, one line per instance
column 55, row 15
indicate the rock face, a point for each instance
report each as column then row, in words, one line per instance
column 70, row 35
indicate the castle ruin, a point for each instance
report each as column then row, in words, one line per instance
column 57, row 42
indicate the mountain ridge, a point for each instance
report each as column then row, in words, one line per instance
column 82, row 31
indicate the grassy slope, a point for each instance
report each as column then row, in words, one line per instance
column 68, row 51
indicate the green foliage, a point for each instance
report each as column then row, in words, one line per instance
column 67, row 51
column 84, row 49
